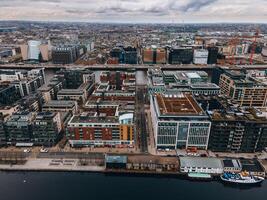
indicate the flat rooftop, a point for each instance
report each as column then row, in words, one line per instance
column 92, row 118
column 200, row 162
column 181, row 104
column 59, row 103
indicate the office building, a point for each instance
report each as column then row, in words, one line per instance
column 67, row 54
column 36, row 50
column 201, row 56
column 119, row 54
column 19, row 127
column 154, row 55
column 213, row 54
column 181, row 55
column 178, row 122
column 131, row 55
column 46, row 128
column 74, row 78
column 195, row 82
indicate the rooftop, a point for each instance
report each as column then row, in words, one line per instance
column 59, row 103
column 200, row 162
column 181, row 104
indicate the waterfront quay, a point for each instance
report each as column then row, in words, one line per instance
column 182, row 166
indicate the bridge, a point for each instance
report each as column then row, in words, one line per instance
column 134, row 67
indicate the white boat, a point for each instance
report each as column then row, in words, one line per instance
column 241, row 178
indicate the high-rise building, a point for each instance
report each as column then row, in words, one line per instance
column 119, row 54
column 67, row 54
column 130, row 55
column 181, row 55
column 154, row 55
column 213, row 54
column 201, row 56
column 64, row 55
column 36, row 50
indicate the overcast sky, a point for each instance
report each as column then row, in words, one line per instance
column 136, row 11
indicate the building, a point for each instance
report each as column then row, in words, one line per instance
column 194, row 82
column 126, row 126
column 264, row 54
column 19, row 127
column 33, row 50
column 232, row 165
column 154, row 55
column 213, row 54
column 74, row 78
column 2, row 130
column 245, row 90
column 253, row 166
column 152, row 163
column 119, row 54
column 181, row 55
column 35, row 128
column 103, row 124
column 178, row 122
column 80, row 94
column 115, row 162
column 131, row 55
column 36, row 50
column 238, row 131
column 10, row 75
column 117, row 80
column 46, row 128
column 200, row 56
column 67, row 54
column 9, row 94
column 201, row 165
column 61, row 106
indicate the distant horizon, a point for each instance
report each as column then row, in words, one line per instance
column 117, row 22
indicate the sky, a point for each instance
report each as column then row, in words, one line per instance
column 136, row 11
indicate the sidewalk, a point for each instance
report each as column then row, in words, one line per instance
column 50, row 165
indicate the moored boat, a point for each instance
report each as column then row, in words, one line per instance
column 241, row 178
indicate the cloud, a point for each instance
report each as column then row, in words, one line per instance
column 196, row 5
column 135, row 10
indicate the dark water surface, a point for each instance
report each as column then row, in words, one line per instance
column 91, row 186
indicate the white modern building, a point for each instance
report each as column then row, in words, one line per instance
column 179, row 122
column 201, row 56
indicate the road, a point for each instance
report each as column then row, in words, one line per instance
column 141, row 126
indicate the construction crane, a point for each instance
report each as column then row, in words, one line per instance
column 237, row 40
column 254, row 44
column 233, row 43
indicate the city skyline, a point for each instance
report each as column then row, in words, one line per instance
column 135, row 11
